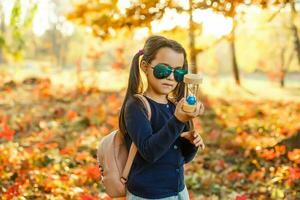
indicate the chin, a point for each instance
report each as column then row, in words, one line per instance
column 166, row 91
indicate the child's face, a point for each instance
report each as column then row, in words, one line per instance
column 170, row 57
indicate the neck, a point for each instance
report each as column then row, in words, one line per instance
column 159, row 98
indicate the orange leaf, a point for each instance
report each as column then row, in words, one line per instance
column 268, row 154
column 80, row 156
column 294, row 156
column 280, row 149
column 52, row 146
column 113, row 121
column 40, row 145
column 66, row 151
column 64, row 178
column 93, row 172
column 71, row 115
column 49, row 185
column 112, row 98
column 104, row 130
column 235, row 176
column 256, row 175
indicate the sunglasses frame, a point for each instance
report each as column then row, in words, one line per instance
column 171, row 70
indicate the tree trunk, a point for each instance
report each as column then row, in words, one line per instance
column 233, row 56
column 282, row 71
column 282, row 80
column 294, row 29
column 284, row 65
column 56, row 47
column 193, row 58
column 65, row 46
column 2, row 31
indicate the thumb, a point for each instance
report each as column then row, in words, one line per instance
column 179, row 104
column 181, row 101
column 187, row 133
column 183, row 134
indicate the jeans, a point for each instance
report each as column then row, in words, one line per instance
column 183, row 195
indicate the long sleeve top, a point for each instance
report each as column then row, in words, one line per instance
column 157, row 170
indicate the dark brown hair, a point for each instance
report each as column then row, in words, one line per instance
column 135, row 85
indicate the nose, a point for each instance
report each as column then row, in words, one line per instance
column 171, row 76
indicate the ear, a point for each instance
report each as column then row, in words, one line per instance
column 144, row 66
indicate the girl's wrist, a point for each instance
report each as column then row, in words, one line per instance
column 179, row 119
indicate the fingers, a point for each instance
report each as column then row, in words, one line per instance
column 180, row 102
column 195, row 113
column 198, row 111
column 194, row 138
column 198, row 142
column 202, row 108
column 201, row 145
column 185, row 116
column 179, row 114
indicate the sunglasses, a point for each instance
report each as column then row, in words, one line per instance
column 161, row 71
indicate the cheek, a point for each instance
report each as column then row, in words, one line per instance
column 150, row 77
column 155, row 83
column 152, row 80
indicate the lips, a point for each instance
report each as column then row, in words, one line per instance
column 167, row 84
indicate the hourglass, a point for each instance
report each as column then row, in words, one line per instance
column 192, row 85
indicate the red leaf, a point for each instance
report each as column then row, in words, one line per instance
column 294, row 173
column 242, row 197
column 6, row 132
column 88, row 197
column 12, row 191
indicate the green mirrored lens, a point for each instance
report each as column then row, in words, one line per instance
column 179, row 74
column 162, row 71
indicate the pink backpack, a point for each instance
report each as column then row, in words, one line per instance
column 115, row 161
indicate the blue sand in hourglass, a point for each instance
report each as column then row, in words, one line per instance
column 191, row 100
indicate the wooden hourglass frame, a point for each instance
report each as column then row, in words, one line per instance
column 192, row 85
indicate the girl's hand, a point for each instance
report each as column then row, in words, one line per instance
column 185, row 116
column 193, row 138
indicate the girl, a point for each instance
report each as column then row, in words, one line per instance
column 166, row 142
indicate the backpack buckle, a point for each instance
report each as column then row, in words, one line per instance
column 123, row 180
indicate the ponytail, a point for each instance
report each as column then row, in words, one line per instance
column 134, row 87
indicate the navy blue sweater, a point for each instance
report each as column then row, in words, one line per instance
column 157, row 170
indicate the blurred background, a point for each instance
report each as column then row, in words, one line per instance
column 64, row 67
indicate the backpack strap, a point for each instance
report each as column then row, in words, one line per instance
column 145, row 103
column 133, row 148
